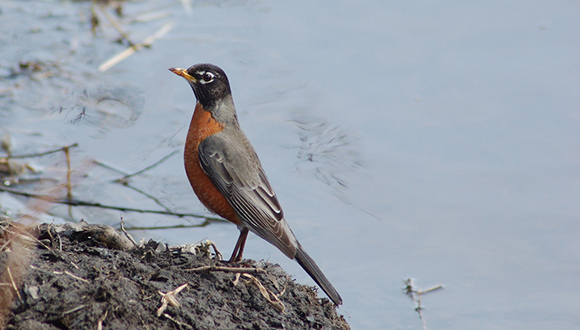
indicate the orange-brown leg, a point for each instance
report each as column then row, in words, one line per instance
column 239, row 249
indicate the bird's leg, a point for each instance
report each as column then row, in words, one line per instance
column 239, row 249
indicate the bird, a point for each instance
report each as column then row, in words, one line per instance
column 227, row 175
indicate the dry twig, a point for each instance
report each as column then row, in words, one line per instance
column 206, row 269
column 66, row 272
column 13, row 283
column 124, row 179
column 202, row 248
column 70, row 311
column 125, row 182
column 101, row 319
column 269, row 295
column 177, row 322
column 170, row 298
column 127, row 234
column 131, row 50
column 417, row 294
column 44, row 153
column 237, row 279
column 69, row 195
column 146, row 17
column 103, row 206
column 117, row 26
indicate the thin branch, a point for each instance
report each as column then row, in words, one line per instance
column 131, row 50
column 70, row 311
column 103, row 206
column 207, row 269
column 437, row 287
column 170, row 298
column 13, row 283
column 66, row 272
column 69, row 195
column 45, row 153
column 157, row 201
column 127, row 234
column 116, row 26
column 416, row 294
column 205, row 223
column 181, row 324
column 146, row 17
column 267, row 294
column 124, row 179
column 68, row 174
column 110, row 167
column 100, row 323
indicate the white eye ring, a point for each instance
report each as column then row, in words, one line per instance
column 207, row 77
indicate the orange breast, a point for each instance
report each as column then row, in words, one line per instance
column 203, row 125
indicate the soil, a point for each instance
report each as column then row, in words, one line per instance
column 81, row 276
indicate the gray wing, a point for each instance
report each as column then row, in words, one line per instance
column 234, row 168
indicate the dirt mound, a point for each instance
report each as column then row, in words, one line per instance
column 90, row 277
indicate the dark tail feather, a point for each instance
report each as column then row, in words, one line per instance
column 312, row 269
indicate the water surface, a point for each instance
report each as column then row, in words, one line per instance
column 437, row 141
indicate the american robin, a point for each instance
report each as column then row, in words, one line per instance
column 227, row 176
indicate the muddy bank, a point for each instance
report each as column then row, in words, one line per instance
column 90, row 276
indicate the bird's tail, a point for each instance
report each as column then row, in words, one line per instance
column 312, row 269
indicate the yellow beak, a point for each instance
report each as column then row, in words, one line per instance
column 183, row 73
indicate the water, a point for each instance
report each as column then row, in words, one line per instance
column 429, row 140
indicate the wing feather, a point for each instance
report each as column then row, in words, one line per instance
column 235, row 170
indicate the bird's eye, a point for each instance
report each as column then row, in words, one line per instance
column 208, row 77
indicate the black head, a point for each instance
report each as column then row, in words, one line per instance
column 210, row 83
